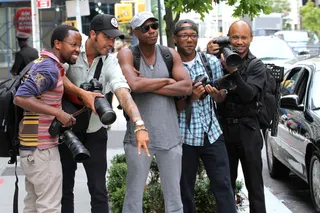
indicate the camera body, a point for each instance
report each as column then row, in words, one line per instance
column 232, row 59
column 104, row 110
column 79, row 152
column 204, row 81
column 225, row 82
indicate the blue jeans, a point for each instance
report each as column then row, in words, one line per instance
column 215, row 159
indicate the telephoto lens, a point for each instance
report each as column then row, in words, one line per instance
column 79, row 152
column 104, row 110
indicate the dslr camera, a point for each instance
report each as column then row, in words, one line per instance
column 204, row 81
column 225, row 82
column 79, row 152
column 232, row 59
column 104, row 110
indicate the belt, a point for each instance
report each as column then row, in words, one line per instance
column 232, row 120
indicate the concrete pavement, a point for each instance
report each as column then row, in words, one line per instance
column 82, row 198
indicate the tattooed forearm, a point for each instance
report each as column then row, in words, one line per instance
column 127, row 103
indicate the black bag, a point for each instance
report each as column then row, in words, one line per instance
column 267, row 102
column 10, row 116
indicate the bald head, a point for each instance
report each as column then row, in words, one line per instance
column 240, row 24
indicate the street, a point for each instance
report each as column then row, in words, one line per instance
column 293, row 191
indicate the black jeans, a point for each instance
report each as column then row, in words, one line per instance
column 244, row 142
column 215, row 159
column 95, row 168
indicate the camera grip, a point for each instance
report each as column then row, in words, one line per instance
column 55, row 127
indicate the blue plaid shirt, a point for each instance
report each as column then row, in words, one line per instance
column 202, row 110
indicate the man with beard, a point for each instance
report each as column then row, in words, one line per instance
column 153, row 90
column 203, row 138
column 40, row 96
column 94, row 50
column 239, row 116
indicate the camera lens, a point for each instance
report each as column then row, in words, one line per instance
column 231, row 58
column 104, row 110
column 79, row 152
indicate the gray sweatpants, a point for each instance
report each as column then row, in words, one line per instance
column 169, row 164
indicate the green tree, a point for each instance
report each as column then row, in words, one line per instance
column 173, row 9
column 283, row 7
column 310, row 17
column 279, row 6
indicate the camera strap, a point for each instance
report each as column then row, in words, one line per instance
column 98, row 69
column 189, row 107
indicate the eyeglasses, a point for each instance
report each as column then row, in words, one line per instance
column 186, row 36
column 73, row 44
column 146, row 28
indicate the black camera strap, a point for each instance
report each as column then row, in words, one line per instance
column 98, row 69
column 189, row 107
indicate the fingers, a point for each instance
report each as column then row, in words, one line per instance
column 145, row 148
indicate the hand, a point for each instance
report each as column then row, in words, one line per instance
column 197, row 91
column 143, row 140
column 171, row 81
column 217, row 95
column 139, row 74
column 88, row 99
column 230, row 70
column 213, row 48
column 65, row 118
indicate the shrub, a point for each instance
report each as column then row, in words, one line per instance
column 153, row 201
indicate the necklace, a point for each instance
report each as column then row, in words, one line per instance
column 151, row 66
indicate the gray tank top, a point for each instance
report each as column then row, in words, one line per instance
column 157, row 111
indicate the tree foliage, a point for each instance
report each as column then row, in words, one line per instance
column 279, row 6
column 173, row 9
column 310, row 17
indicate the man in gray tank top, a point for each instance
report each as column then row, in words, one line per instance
column 153, row 90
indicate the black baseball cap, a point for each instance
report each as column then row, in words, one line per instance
column 178, row 26
column 107, row 24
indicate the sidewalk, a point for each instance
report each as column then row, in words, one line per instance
column 82, row 198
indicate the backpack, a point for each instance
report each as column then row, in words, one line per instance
column 166, row 55
column 10, row 116
column 266, row 101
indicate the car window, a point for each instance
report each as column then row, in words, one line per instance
column 265, row 49
column 314, row 91
column 289, row 84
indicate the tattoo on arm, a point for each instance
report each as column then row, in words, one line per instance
column 127, row 103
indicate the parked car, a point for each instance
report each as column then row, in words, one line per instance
column 273, row 50
column 301, row 41
column 296, row 147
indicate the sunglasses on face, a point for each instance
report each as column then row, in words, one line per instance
column 146, row 28
column 186, row 36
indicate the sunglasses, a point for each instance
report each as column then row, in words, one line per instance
column 146, row 28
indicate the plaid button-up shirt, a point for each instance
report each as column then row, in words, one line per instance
column 202, row 112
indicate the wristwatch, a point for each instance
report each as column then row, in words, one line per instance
column 138, row 123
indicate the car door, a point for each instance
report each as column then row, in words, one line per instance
column 295, row 129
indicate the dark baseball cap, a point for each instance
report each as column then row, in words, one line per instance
column 107, row 24
column 178, row 26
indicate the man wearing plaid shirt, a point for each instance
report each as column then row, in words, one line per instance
column 200, row 127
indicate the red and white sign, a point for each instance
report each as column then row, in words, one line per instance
column 42, row 4
column 23, row 21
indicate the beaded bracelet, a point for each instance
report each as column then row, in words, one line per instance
column 140, row 129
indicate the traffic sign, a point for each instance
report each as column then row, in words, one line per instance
column 43, row 4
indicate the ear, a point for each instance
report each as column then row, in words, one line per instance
column 57, row 44
column 174, row 38
column 92, row 34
